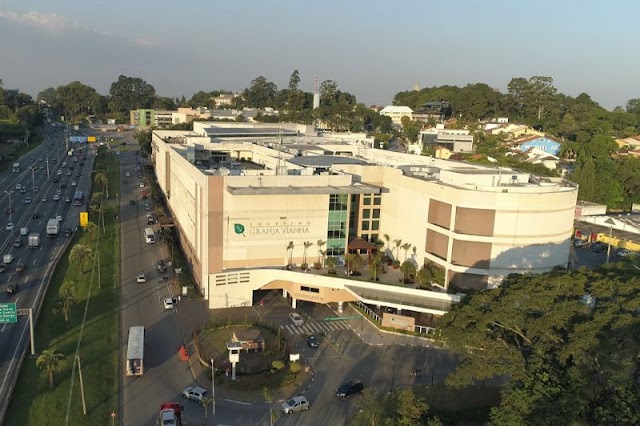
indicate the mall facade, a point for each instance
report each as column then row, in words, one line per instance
column 248, row 200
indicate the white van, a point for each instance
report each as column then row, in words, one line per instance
column 24, row 231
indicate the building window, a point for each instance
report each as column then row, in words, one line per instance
column 374, row 238
column 366, row 200
column 375, row 225
column 366, row 214
column 377, row 200
column 365, row 225
column 376, row 213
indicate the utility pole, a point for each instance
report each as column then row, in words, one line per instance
column 84, row 402
column 213, row 392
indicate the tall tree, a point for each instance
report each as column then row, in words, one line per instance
column 130, row 93
column 82, row 255
column 566, row 340
column 261, row 93
column 51, row 361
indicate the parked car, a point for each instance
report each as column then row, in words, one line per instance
column 9, row 227
column 195, row 393
column 598, row 247
column 296, row 319
column 349, row 388
column 624, row 252
column 578, row 242
column 168, row 303
column 141, row 278
column 297, row 403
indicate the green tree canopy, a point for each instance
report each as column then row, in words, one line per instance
column 566, row 340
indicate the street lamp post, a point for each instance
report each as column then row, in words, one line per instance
column 609, row 222
column 213, row 391
column 47, row 163
column 10, row 209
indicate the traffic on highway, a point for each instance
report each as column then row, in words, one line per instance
column 37, row 221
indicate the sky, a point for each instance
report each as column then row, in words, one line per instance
column 373, row 49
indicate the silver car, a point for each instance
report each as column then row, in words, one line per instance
column 297, row 403
column 195, row 393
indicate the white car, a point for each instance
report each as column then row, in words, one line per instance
column 624, row 253
column 195, row 393
column 59, row 173
column 127, row 174
column 297, row 403
column 141, row 184
column 168, row 303
column 27, row 200
column 56, row 197
column 9, row 226
column 141, row 278
column 296, row 319
column 45, row 199
column 59, row 218
column 73, row 183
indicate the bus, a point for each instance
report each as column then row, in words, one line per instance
column 78, row 198
column 135, row 352
column 149, row 236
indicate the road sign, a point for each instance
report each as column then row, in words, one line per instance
column 341, row 318
column 8, row 313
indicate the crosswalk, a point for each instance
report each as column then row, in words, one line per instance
column 317, row 327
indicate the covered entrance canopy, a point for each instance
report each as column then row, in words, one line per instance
column 358, row 243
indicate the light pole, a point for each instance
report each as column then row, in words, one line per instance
column 47, row 163
column 10, row 209
column 213, row 391
column 609, row 222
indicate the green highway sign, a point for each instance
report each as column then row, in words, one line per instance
column 8, row 313
column 341, row 318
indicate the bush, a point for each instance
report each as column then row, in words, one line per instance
column 278, row 365
column 295, row 367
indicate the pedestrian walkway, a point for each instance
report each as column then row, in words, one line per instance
column 317, row 327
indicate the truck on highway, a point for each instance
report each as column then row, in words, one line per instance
column 34, row 240
column 53, row 228
column 15, row 168
column 8, row 258
column 170, row 414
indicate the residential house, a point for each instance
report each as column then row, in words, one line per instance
column 542, row 143
column 631, row 142
column 397, row 112
column 455, row 140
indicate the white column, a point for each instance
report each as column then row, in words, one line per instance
column 284, row 292
column 293, row 302
column 340, row 307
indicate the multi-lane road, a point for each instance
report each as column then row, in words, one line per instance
column 31, row 208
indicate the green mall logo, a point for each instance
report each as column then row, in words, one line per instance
column 239, row 228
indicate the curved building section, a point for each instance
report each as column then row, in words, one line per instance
column 264, row 201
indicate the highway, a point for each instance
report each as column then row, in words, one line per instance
column 49, row 157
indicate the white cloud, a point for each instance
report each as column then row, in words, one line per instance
column 43, row 21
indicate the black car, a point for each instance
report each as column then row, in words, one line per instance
column 63, row 185
column 3, row 267
column 161, row 266
column 35, row 215
column 21, row 267
column 312, row 341
column 13, row 288
column 598, row 247
column 67, row 232
column 132, row 202
column 350, row 388
column 56, row 180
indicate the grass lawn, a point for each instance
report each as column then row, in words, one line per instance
column 33, row 402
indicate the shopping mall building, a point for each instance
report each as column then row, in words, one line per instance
column 248, row 200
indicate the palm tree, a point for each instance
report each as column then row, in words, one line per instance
column 205, row 401
column 91, row 228
column 50, row 361
column 349, row 258
column 406, row 247
column 387, row 239
column 321, row 254
column 398, row 244
column 374, row 266
column 290, row 251
column 331, row 263
column 307, row 244
column 407, row 268
column 82, row 255
column 101, row 180
column 68, row 291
